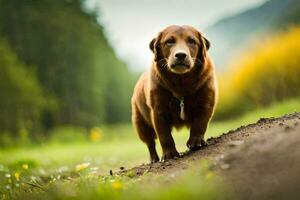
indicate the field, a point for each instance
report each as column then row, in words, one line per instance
column 67, row 73
column 87, row 169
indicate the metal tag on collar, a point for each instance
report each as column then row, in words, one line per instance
column 181, row 99
column 182, row 115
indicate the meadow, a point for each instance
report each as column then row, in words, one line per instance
column 65, row 127
column 81, row 167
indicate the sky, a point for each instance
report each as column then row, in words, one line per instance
column 130, row 25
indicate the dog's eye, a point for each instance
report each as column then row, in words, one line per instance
column 191, row 41
column 170, row 42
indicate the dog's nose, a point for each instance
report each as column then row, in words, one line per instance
column 180, row 55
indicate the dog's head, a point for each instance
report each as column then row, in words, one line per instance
column 179, row 48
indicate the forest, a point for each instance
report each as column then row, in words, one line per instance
column 58, row 69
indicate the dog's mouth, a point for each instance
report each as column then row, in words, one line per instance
column 180, row 67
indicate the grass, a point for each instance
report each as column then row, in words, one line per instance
column 197, row 183
column 274, row 110
column 80, row 170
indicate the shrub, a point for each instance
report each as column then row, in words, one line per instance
column 269, row 72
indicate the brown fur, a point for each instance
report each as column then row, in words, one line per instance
column 155, row 101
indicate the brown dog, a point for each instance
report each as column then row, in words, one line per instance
column 179, row 90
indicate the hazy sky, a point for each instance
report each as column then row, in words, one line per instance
column 131, row 24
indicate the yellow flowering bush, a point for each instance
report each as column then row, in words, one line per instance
column 269, row 72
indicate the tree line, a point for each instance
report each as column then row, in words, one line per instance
column 57, row 68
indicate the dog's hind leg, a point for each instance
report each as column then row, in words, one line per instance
column 147, row 135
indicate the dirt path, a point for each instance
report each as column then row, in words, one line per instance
column 257, row 161
column 266, row 166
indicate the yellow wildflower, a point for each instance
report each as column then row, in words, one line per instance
column 117, row 185
column 209, row 175
column 96, row 134
column 25, row 166
column 82, row 166
column 17, row 176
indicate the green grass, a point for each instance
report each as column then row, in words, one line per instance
column 275, row 110
column 197, row 183
column 53, row 165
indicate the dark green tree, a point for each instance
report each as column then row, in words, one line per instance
column 74, row 62
column 21, row 98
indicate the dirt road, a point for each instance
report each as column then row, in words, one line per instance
column 259, row 161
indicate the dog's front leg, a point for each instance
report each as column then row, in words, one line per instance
column 163, row 129
column 198, row 129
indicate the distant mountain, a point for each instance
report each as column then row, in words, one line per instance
column 230, row 36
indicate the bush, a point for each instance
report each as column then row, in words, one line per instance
column 268, row 73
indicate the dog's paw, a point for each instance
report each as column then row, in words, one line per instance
column 170, row 154
column 154, row 159
column 196, row 143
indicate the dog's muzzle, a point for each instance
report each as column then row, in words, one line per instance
column 180, row 65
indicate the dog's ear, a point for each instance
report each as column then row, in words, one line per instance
column 207, row 43
column 155, row 47
column 204, row 46
column 151, row 45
